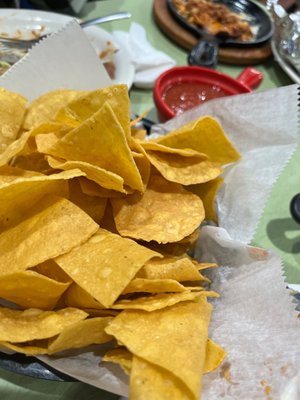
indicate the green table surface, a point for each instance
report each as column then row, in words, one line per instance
column 276, row 230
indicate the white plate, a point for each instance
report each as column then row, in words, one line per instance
column 27, row 24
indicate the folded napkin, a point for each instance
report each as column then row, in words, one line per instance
column 148, row 62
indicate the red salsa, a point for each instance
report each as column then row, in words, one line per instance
column 183, row 96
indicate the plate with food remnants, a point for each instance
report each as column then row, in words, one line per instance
column 29, row 24
column 231, row 22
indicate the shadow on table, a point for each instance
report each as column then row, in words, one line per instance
column 19, row 387
column 278, row 231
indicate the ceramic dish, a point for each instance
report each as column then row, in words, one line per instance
column 191, row 86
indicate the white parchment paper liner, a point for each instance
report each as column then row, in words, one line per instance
column 263, row 126
column 254, row 319
column 63, row 60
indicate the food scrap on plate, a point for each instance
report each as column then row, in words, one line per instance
column 96, row 227
column 216, row 18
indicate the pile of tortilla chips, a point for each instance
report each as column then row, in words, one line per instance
column 95, row 225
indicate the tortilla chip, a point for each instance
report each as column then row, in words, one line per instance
column 171, row 267
column 169, row 338
column 77, row 297
column 13, row 148
column 108, row 222
column 184, row 170
column 178, row 249
column 166, row 212
column 201, row 266
column 120, row 356
column 143, row 166
column 29, row 289
column 32, row 162
column 159, row 301
column 138, row 285
column 56, row 223
column 93, row 189
column 21, row 326
column 137, row 133
column 95, row 142
column 100, row 176
column 207, row 192
column 9, row 174
column 89, row 103
column 12, row 111
column 150, row 145
column 150, row 381
column 104, row 312
column 93, row 206
column 214, row 356
column 81, row 334
column 45, row 107
column 181, row 165
column 105, row 264
column 51, row 270
column 40, row 347
column 204, row 135
column 18, row 197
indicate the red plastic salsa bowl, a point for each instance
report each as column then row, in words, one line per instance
column 182, row 88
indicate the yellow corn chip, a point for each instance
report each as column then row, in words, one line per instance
column 204, row 135
column 207, row 192
column 77, row 297
column 105, row 264
column 184, row 170
column 56, row 223
column 19, row 196
column 171, row 267
column 29, row 289
column 177, row 338
column 166, row 212
column 89, row 103
column 102, row 177
column 120, row 356
column 45, row 107
column 159, row 301
column 13, row 148
column 21, row 326
column 214, row 356
column 12, row 111
column 50, row 269
column 95, row 142
column 38, row 348
column 81, row 334
column 153, row 286
column 93, row 206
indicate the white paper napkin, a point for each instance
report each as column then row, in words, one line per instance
column 148, row 62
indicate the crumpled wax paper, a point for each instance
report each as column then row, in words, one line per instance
column 254, row 319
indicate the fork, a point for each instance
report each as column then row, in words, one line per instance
column 25, row 44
